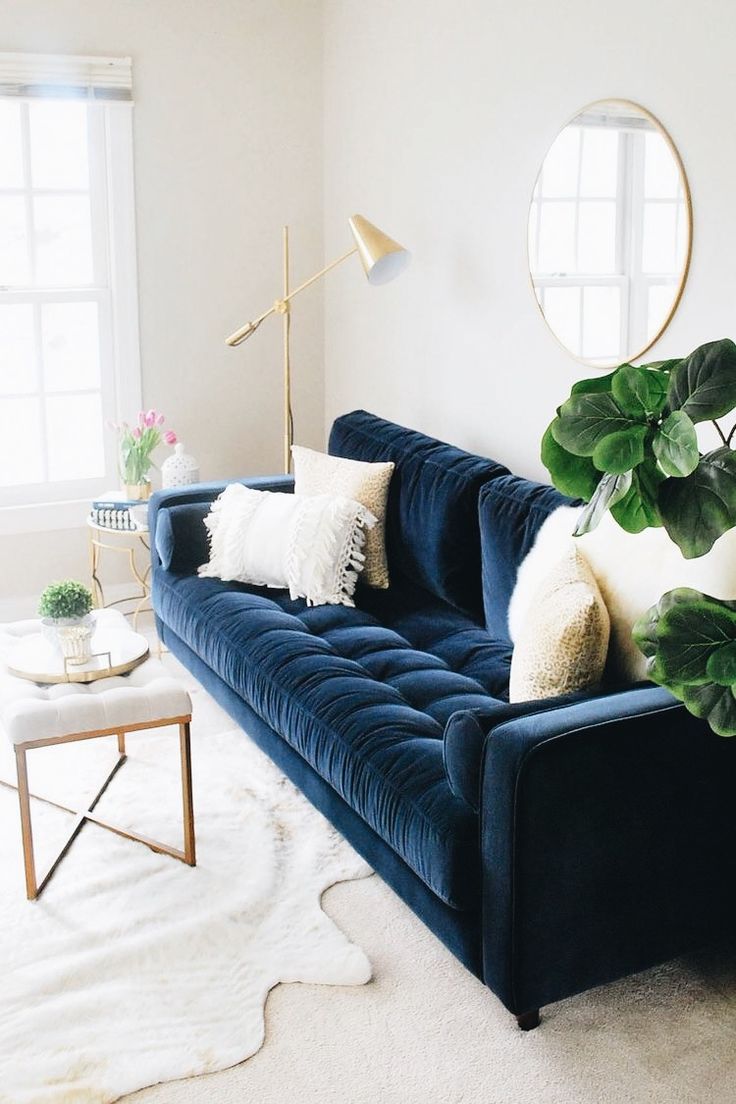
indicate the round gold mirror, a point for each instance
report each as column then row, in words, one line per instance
column 610, row 233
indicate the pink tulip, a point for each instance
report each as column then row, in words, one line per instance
column 160, row 420
column 170, row 437
column 151, row 418
column 141, row 417
column 137, row 433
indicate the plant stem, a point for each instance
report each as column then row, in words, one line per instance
column 720, row 432
column 729, row 439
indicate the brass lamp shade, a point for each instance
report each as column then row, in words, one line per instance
column 382, row 258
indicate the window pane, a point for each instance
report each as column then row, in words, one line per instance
column 597, row 238
column 599, row 167
column 659, row 304
column 74, row 437
column 58, row 132
column 562, row 312
column 63, row 241
column 21, row 455
column 17, row 349
column 14, row 268
column 11, row 150
column 557, row 238
column 659, row 247
column 602, row 323
column 71, row 346
column 560, row 169
column 661, row 174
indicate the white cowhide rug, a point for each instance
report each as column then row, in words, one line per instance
column 133, row 968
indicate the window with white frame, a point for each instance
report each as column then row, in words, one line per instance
column 608, row 235
column 68, row 296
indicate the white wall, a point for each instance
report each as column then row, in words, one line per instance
column 228, row 146
column 437, row 118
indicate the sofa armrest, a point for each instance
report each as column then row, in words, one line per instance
column 176, row 520
column 465, row 736
column 607, row 842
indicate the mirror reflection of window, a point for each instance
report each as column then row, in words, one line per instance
column 609, row 233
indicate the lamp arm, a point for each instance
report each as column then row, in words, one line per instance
column 281, row 305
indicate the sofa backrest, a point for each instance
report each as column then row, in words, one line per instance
column 432, row 534
column 511, row 511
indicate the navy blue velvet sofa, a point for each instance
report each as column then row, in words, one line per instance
column 552, row 846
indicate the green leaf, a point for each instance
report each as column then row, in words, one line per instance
column 676, row 445
column 644, row 632
column 609, row 491
column 714, row 704
column 638, row 509
column 721, row 666
column 621, row 451
column 584, row 421
column 639, row 392
column 688, row 634
column 573, row 475
column 704, row 383
column 698, row 509
column 593, row 386
column 663, row 365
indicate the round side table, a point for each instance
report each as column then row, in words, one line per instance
column 133, row 543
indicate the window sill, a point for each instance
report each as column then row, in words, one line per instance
column 44, row 517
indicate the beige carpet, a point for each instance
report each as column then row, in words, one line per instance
column 424, row 1031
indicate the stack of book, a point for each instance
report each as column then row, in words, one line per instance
column 113, row 511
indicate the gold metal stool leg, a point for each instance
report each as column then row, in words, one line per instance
column 34, row 888
column 190, row 856
column 25, row 823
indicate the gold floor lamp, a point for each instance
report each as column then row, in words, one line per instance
column 382, row 259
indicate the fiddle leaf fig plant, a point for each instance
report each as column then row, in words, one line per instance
column 689, row 640
column 626, row 442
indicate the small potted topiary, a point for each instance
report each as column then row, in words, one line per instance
column 65, row 611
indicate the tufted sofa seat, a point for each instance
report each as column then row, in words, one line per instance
column 363, row 695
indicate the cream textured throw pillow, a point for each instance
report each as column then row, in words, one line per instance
column 313, row 546
column 632, row 570
column 317, row 473
column 562, row 642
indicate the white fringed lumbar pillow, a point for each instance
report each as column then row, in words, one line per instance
column 318, row 473
column 632, row 571
column 310, row 545
column 562, row 641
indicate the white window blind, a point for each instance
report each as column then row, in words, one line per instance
column 62, row 77
column 69, row 357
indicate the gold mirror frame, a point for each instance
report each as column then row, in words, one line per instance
column 588, row 363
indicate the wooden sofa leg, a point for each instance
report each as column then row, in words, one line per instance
column 527, row 1021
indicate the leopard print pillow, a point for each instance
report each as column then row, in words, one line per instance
column 562, row 644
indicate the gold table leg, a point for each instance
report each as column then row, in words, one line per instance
column 186, row 794
column 34, row 888
column 25, row 823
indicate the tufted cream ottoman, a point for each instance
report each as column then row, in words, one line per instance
column 35, row 716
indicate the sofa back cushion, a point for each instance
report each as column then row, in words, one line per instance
column 432, row 534
column 511, row 511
